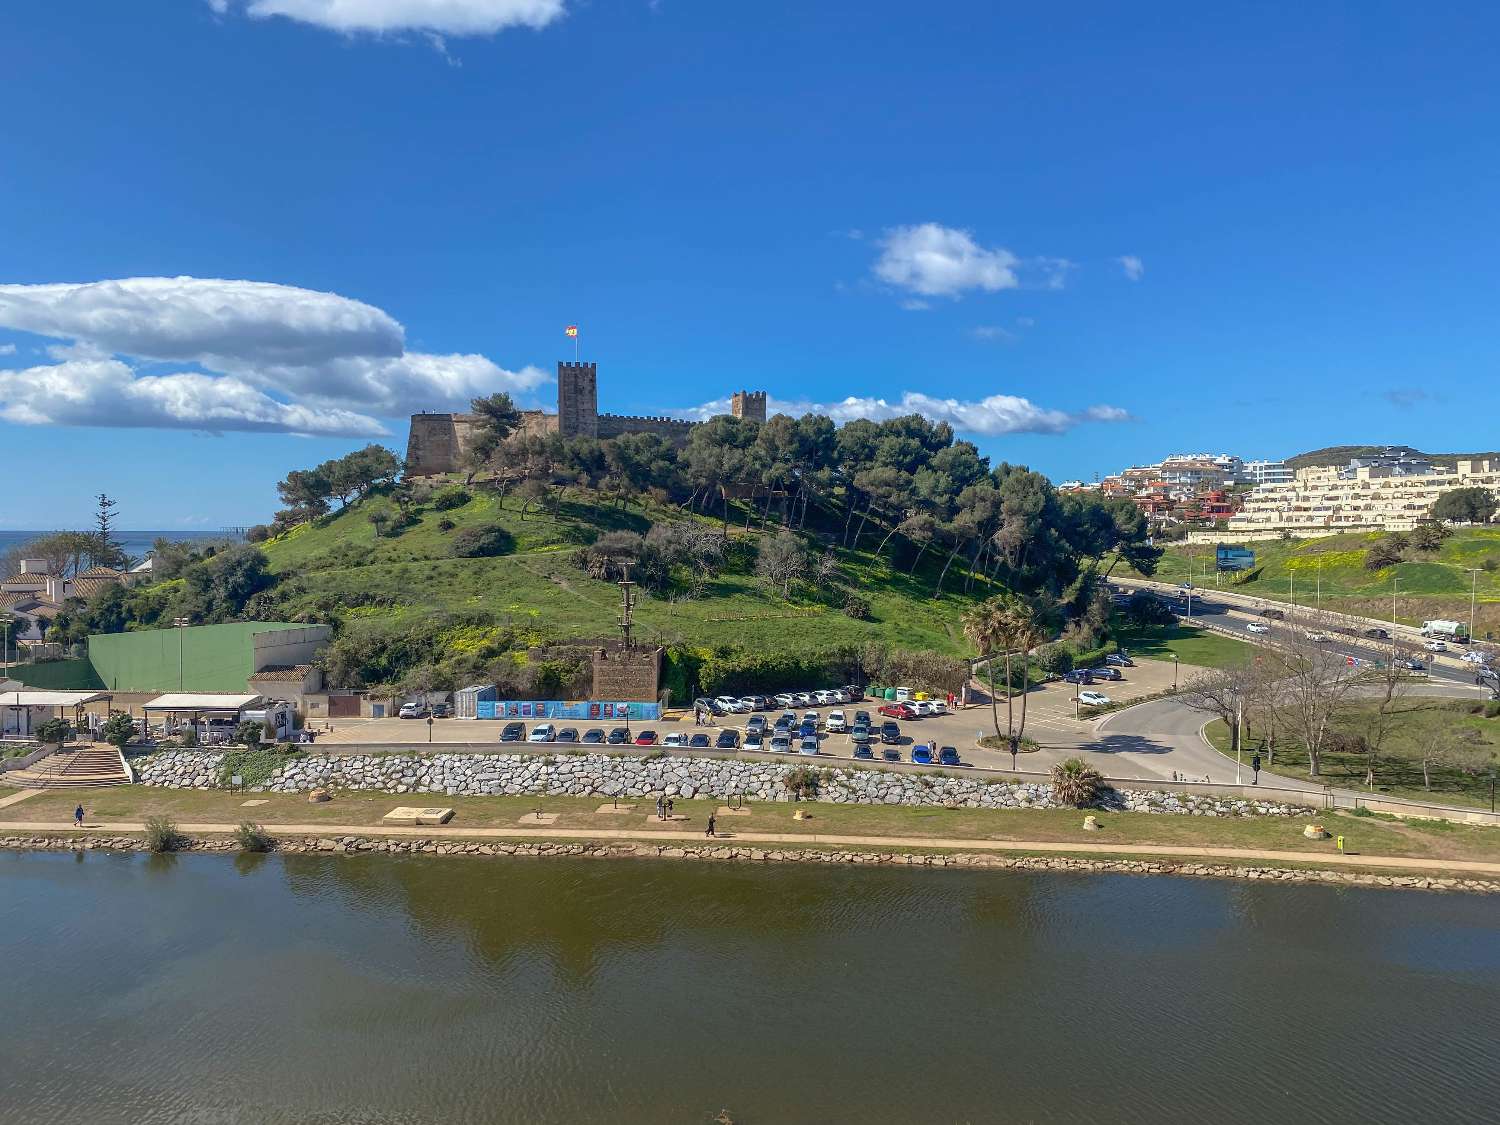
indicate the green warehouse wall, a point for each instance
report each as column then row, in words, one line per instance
column 212, row 657
column 56, row 675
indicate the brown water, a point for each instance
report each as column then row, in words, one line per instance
column 214, row 991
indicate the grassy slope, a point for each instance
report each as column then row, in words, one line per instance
column 1435, row 585
column 410, row 575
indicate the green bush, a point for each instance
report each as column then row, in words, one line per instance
column 1076, row 783
column 1492, row 708
column 53, row 730
column 251, row 837
column 445, row 524
column 451, row 497
column 483, row 542
column 857, row 608
column 253, row 767
column 1055, row 659
column 162, row 835
column 118, row 729
column 804, row 782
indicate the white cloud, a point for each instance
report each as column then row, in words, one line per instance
column 7, row 349
column 442, row 17
column 300, row 352
column 991, row 332
column 993, row 416
column 1134, row 268
column 939, row 261
column 102, row 391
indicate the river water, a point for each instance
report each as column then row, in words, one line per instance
column 210, row 990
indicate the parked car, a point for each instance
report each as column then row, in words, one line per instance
column 854, row 692
column 1258, row 627
column 757, row 724
column 781, row 744
column 787, row 718
column 811, row 717
column 646, row 738
column 698, row 740
column 864, row 752
column 891, row 753
column 923, row 708
column 673, row 740
column 568, row 734
column 513, row 732
column 1119, row 660
column 1411, row 664
column 728, row 740
column 1092, row 698
column 807, row 730
column 897, row 710
column 754, row 740
column 542, row 732
column 761, row 702
column 803, row 699
column 1078, row 676
column 728, row 704
column 948, row 756
column 921, row 754
column 823, row 698
column 412, row 711
column 840, row 695
column 836, row 724
column 747, row 704
column 618, row 736
column 1435, row 646
column 784, row 699
column 594, row 736
column 808, row 744
column 860, row 734
column 1105, row 672
column 890, row 732
column 441, row 711
column 861, row 717
column 939, row 707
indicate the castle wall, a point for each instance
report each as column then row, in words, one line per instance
column 436, row 443
column 674, row 430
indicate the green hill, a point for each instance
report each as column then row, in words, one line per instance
column 482, row 610
column 1332, row 571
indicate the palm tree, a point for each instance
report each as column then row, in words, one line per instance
column 1023, row 625
column 984, row 626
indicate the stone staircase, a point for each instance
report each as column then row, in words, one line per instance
column 86, row 767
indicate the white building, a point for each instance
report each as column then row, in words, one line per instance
column 1359, row 497
column 1266, row 472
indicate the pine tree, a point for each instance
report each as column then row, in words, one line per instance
column 105, row 549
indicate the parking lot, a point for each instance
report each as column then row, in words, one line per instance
column 1053, row 719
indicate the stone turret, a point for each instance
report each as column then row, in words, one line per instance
column 577, row 399
column 749, row 405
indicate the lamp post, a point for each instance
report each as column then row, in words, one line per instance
column 1492, row 787
column 1473, row 595
column 1174, row 673
column 179, row 623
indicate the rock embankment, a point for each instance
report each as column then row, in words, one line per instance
column 361, row 845
column 631, row 776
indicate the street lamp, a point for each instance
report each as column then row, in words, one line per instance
column 1174, row 673
column 179, row 623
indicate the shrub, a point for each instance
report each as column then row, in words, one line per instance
column 451, row 497
column 803, row 782
column 1055, row 659
column 251, row 837
column 1492, row 709
column 258, row 534
column 162, row 835
column 445, row 524
column 53, row 730
column 187, row 736
column 857, row 608
column 485, row 541
column 118, row 729
column 249, row 733
column 1383, row 553
column 1076, row 783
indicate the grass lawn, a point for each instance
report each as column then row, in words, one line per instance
column 339, row 562
column 1370, row 835
column 1190, row 644
column 1461, row 779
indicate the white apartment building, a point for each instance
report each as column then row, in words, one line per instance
column 1362, row 497
column 1266, row 472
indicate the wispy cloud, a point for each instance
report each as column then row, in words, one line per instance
column 1409, row 396
column 1134, row 268
column 7, row 349
column 440, row 17
column 992, row 416
column 991, row 332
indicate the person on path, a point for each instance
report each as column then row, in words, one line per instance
column 710, row 831
column 671, row 806
column 78, row 817
column 661, row 808
column 1255, row 765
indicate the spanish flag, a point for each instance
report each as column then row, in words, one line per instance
column 572, row 330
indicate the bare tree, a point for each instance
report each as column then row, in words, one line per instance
column 1313, row 684
column 782, row 560
column 1440, row 749
column 1391, row 683
column 1224, row 693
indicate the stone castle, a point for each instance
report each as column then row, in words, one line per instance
column 436, row 442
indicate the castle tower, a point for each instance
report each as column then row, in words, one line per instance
column 749, row 405
column 577, row 399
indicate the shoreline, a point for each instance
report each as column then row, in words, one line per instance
column 1006, row 856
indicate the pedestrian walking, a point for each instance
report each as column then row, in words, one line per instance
column 78, row 817
column 1255, row 765
column 710, row 831
column 671, row 806
column 661, row 808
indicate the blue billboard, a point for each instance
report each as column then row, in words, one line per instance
column 587, row 709
column 1234, row 558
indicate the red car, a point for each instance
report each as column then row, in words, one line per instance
column 898, row 711
column 646, row 738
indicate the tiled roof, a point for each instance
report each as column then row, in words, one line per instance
column 282, row 673
column 101, row 572
column 86, row 586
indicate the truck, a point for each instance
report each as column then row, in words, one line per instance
column 1446, row 630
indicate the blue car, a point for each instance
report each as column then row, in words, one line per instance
column 863, row 751
column 809, row 745
column 921, row 755
column 948, row 756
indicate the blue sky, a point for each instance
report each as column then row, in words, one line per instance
column 1090, row 234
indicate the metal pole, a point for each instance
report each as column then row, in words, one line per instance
column 1473, row 594
column 1239, row 738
